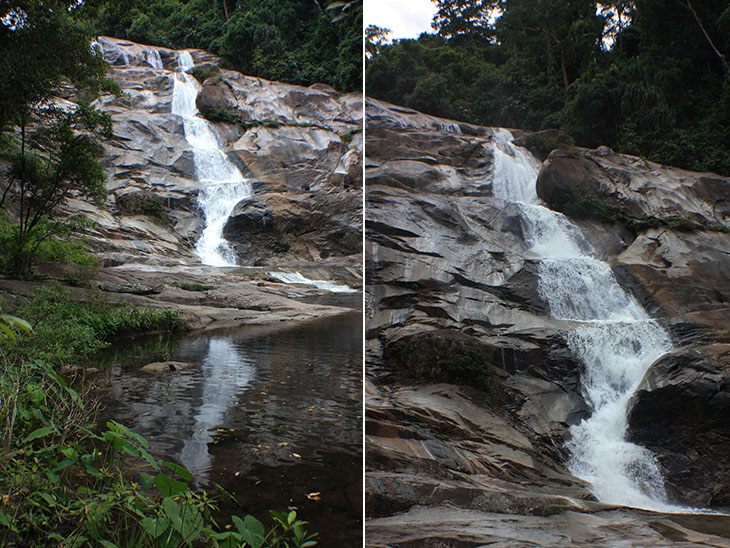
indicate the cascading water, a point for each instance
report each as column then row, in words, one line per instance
column 154, row 59
column 613, row 337
column 223, row 184
column 297, row 278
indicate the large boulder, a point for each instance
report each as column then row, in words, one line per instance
column 639, row 191
column 680, row 411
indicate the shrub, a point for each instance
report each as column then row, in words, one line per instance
column 472, row 367
column 66, row 330
column 543, row 143
column 683, row 224
column 589, row 206
column 220, row 115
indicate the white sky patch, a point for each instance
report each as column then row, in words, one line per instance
column 405, row 18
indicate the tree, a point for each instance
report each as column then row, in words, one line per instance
column 51, row 146
column 375, row 37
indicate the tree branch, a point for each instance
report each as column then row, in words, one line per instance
column 722, row 58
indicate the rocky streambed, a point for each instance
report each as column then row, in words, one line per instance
column 456, row 286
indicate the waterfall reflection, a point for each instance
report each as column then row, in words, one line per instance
column 224, row 371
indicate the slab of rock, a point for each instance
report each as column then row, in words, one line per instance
column 640, row 190
column 164, row 367
column 680, row 411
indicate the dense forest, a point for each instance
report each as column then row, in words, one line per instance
column 294, row 41
column 648, row 78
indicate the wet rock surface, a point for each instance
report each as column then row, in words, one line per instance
column 298, row 146
column 680, row 411
column 448, row 271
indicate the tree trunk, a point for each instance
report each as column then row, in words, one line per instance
column 564, row 70
column 722, row 58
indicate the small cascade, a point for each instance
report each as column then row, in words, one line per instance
column 154, row 59
column 297, row 278
column 614, row 337
column 223, row 184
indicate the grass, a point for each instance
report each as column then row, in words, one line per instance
column 67, row 330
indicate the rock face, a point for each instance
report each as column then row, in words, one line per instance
column 681, row 411
column 298, row 146
column 450, row 277
column 641, row 190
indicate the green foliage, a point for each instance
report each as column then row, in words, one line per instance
column 47, row 242
column 10, row 325
column 196, row 287
column 286, row 40
column 662, row 91
column 683, row 224
column 64, row 485
column 541, row 145
column 221, row 115
column 471, row 367
column 202, row 74
column 588, row 206
column 67, row 330
column 642, row 226
column 53, row 160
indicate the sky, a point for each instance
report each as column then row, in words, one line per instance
column 406, row 18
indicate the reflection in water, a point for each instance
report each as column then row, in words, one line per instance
column 225, row 372
column 271, row 413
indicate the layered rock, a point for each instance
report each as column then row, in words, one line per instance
column 296, row 144
column 642, row 191
column 448, row 271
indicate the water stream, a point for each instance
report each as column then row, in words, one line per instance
column 612, row 335
column 223, row 184
column 273, row 414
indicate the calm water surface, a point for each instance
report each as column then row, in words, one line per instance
column 273, row 414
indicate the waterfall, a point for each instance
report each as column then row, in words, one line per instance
column 297, row 278
column 154, row 59
column 613, row 337
column 223, row 184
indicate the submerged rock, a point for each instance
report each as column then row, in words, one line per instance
column 164, row 367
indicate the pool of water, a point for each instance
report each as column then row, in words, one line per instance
column 272, row 413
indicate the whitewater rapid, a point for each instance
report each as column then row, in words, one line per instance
column 612, row 336
column 223, row 184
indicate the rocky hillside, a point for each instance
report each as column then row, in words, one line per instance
column 472, row 388
column 299, row 148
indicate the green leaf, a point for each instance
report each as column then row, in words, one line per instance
column 4, row 519
column 108, row 544
column 169, row 487
column 308, row 543
column 146, row 480
column 39, row 433
column 184, row 473
column 118, row 427
column 155, row 526
column 190, row 526
column 252, row 530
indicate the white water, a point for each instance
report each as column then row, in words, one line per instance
column 297, row 278
column 154, row 59
column 223, row 184
column 613, row 337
